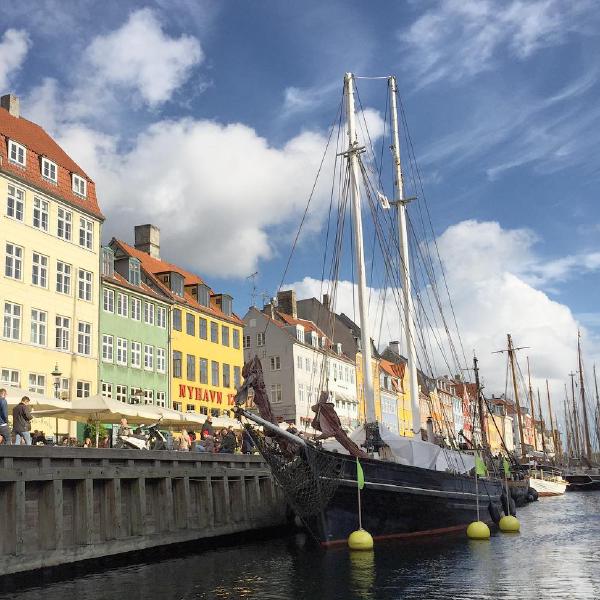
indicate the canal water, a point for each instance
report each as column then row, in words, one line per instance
column 557, row 556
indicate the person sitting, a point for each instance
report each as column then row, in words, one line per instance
column 184, row 441
column 87, row 443
column 228, row 441
column 124, row 429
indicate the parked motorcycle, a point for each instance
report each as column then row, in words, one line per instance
column 144, row 438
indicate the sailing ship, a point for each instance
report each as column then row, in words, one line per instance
column 411, row 487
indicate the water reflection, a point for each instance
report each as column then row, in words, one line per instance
column 556, row 556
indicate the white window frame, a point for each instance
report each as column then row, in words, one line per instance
column 260, row 338
column 122, row 305
column 161, row 360
column 121, row 393
column 122, row 350
column 41, row 213
column 49, row 170
column 136, row 355
column 148, row 357
column 13, row 262
column 15, row 203
column 39, row 269
column 10, row 377
column 84, row 338
column 62, row 328
column 161, row 399
column 86, row 233
column 63, row 277
column 107, row 348
column 108, row 300
column 79, row 185
column 36, row 383
column 13, row 315
column 39, row 327
column 83, row 389
column 276, row 395
column 161, row 317
column 64, row 222
column 275, row 363
column 84, row 285
column 17, row 153
column 136, row 309
column 106, row 389
column 149, row 313
column 148, row 396
column 246, row 342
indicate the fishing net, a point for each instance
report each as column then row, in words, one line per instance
column 309, row 477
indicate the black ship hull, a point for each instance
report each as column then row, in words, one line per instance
column 582, row 481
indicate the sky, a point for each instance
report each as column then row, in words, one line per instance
column 210, row 119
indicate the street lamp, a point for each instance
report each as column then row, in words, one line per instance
column 56, row 374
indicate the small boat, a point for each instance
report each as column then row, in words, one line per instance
column 547, row 483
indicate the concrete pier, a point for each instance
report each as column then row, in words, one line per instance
column 61, row 505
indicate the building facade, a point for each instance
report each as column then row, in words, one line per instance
column 134, row 333
column 50, row 232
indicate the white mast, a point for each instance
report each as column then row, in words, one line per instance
column 353, row 150
column 409, row 327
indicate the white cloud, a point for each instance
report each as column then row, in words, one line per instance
column 486, row 268
column 13, row 50
column 461, row 38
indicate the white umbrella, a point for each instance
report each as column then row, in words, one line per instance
column 39, row 403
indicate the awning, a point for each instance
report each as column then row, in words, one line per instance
column 40, row 405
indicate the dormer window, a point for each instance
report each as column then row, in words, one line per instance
column 108, row 262
column 204, row 296
column 79, row 185
column 49, row 170
column 313, row 339
column 17, row 153
column 227, row 304
column 338, row 348
column 177, row 283
column 300, row 333
column 134, row 271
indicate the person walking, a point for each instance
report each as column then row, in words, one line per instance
column 4, row 428
column 22, row 422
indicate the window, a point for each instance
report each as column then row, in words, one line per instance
column 122, row 305
column 260, row 339
column 13, row 266
column 84, row 338
column 107, row 348
column 299, row 362
column 64, row 224
column 203, row 295
column 86, row 233
column 63, row 332
column 177, row 319
column 64, row 388
column 108, row 297
column 12, row 321
column 106, row 389
column 190, row 324
column 17, row 153
column 237, row 377
column 136, row 309
column 307, row 364
column 161, row 399
column 214, row 332
column 40, row 214
column 301, row 393
column 49, row 170
column 121, row 395
column 202, row 328
column 276, row 393
column 148, row 397
column 191, row 367
column 225, row 335
column 176, row 283
column 246, row 342
column 161, row 317
column 10, row 377
column 79, row 185
column 300, row 334
column 214, row 372
column 203, row 371
column 161, row 360
column 227, row 304
column 236, row 338
column 275, row 363
column 83, row 389
column 176, row 363
column 85, row 285
column 39, row 270
column 177, row 406
column 226, row 375
column 136, row 355
column 148, row 313
column 37, row 383
column 63, row 277
column 134, row 276
column 39, row 326
column 148, row 357
column 122, row 351
column 15, row 204
column 108, row 261
column 190, row 408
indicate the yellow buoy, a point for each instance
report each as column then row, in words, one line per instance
column 360, row 540
column 509, row 524
column 478, row 530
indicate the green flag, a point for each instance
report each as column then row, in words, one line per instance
column 506, row 467
column 360, row 476
column 480, row 466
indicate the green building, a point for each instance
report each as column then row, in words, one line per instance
column 134, row 333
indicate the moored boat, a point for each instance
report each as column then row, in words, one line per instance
column 547, row 483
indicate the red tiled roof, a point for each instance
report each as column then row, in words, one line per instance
column 395, row 370
column 308, row 325
column 38, row 143
column 154, row 266
column 118, row 279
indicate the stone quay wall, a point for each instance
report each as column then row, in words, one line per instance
column 62, row 505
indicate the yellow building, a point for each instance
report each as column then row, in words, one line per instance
column 360, row 389
column 50, row 230
column 206, row 336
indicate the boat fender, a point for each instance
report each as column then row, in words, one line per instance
column 512, row 507
column 508, row 505
column 531, row 491
column 494, row 512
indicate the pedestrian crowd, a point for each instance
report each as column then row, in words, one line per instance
column 211, row 439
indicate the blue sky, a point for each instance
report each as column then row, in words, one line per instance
column 209, row 119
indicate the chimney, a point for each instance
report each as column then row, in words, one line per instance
column 10, row 102
column 395, row 347
column 286, row 301
column 147, row 239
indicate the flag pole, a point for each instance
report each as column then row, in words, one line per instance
column 359, row 508
column 477, row 493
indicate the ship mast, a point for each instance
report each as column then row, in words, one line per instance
column 484, row 440
column 511, row 357
column 532, row 406
column 552, row 431
column 542, row 425
column 586, row 428
column 567, row 427
column 597, row 408
column 352, row 153
column 574, row 419
column 401, row 202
